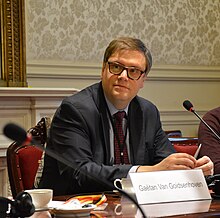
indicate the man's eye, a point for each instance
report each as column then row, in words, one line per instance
column 116, row 67
column 133, row 70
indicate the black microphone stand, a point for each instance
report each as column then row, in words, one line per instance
column 203, row 121
column 189, row 106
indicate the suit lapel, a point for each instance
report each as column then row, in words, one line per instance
column 100, row 102
column 136, row 132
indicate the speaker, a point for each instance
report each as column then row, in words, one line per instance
column 21, row 206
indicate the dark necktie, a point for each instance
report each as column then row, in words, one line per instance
column 120, row 149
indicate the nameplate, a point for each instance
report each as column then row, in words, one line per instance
column 169, row 186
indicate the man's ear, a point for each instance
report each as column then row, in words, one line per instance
column 103, row 69
column 143, row 78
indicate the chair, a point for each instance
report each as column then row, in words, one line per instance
column 187, row 145
column 23, row 160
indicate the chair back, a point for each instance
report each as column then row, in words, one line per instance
column 23, row 160
column 187, row 145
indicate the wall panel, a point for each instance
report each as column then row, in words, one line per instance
column 166, row 86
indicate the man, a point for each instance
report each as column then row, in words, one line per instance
column 210, row 143
column 84, row 130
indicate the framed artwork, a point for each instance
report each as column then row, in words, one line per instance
column 13, row 44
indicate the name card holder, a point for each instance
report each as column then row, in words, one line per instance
column 170, row 186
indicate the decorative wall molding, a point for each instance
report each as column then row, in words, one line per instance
column 3, row 178
column 36, row 92
column 167, row 86
column 25, row 106
column 182, row 120
column 185, row 73
column 66, row 70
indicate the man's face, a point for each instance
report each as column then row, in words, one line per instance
column 119, row 89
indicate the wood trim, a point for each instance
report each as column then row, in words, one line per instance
column 66, row 70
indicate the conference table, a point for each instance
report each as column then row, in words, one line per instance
column 120, row 206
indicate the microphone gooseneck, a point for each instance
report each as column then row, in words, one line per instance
column 19, row 135
column 189, row 106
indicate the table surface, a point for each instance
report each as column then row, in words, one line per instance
column 118, row 206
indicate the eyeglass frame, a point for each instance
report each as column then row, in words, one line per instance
column 127, row 70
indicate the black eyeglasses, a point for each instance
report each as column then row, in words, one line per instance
column 132, row 72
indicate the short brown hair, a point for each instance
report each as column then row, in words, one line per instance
column 128, row 43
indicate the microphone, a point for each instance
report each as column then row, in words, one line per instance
column 21, row 206
column 18, row 134
column 188, row 106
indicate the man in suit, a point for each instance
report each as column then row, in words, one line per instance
column 85, row 132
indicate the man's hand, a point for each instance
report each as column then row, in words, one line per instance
column 176, row 161
column 206, row 165
column 181, row 161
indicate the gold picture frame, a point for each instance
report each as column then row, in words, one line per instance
column 13, row 43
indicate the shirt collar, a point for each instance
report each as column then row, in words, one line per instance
column 112, row 108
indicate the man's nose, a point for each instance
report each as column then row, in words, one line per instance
column 124, row 73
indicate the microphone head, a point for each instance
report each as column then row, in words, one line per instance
column 15, row 132
column 188, row 105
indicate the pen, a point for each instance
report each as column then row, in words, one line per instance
column 197, row 151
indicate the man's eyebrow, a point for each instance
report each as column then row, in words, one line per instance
column 116, row 62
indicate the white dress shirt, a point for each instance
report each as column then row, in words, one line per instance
column 113, row 110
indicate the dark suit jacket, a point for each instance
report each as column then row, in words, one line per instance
column 80, row 133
